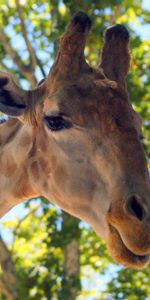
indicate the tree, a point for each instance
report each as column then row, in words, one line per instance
column 25, row 27
column 8, row 279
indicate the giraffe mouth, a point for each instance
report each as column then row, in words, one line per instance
column 122, row 254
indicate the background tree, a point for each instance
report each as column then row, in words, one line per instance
column 50, row 251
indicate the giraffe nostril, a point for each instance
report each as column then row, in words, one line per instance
column 135, row 208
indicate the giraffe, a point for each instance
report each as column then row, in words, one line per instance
column 75, row 139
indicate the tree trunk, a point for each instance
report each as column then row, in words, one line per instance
column 8, row 280
column 71, row 265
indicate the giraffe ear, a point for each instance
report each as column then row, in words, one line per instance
column 11, row 97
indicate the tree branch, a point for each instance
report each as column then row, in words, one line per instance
column 33, row 57
column 115, row 15
column 40, row 66
column 25, row 70
column 32, row 63
column 5, row 68
column 12, row 53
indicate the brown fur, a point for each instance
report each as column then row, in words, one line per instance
column 91, row 169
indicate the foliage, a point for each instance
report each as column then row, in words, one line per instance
column 130, row 285
column 41, row 237
column 38, row 254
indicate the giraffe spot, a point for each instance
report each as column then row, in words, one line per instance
column 24, row 189
column 43, row 145
column 44, row 165
column 25, row 140
column 35, row 170
column 8, row 167
column 45, row 186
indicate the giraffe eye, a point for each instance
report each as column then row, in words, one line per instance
column 57, row 122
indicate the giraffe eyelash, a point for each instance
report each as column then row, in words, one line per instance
column 57, row 122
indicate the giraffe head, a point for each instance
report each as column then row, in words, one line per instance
column 75, row 139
